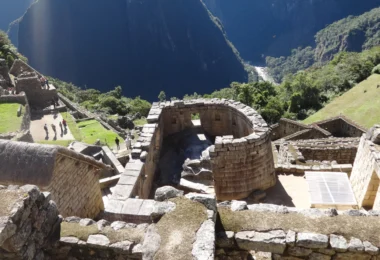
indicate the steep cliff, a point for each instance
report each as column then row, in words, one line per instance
column 11, row 10
column 143, row 45
column 273, row 27
column 354, row 33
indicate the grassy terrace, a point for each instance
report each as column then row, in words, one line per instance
column 92, row 130
column 361, row 104
column 9, row 121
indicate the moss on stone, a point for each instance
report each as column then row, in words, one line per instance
column 131, row 234
column 347, row 226
column 178, row 228
column 78, row 231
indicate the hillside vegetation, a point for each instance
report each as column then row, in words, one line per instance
column 303, row 93
column 361, row 104
column 8, row 51
column 351, row 34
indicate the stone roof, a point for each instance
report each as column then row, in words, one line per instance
column 22, row 162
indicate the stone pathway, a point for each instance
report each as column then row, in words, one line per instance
column 38, row 132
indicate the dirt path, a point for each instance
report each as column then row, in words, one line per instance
column 39, row 134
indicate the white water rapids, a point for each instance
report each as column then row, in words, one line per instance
column 264, row 75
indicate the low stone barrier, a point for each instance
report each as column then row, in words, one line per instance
column 290, row 244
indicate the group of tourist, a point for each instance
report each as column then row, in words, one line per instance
column 62, row 126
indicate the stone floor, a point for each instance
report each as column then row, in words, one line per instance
column 38, row 132
column 291, row 191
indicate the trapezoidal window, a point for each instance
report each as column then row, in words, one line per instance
column 174, row 120
column 217, row 117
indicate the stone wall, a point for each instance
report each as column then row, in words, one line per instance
column 241, row 158
column 278, row 243
column 20, row 67
column 37, row 96
column 287, row 244
column 366, row 173
column 342, row 127
column 312, row 133
column 341, row 150
column 20, row 99
column 29, row 223
column 286, row 127
column 72, row 178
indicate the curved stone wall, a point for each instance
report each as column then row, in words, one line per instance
column 242, row 159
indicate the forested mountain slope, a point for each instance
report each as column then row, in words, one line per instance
column 260, row 28
column 353, row 34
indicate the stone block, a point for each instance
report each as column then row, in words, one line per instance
column 238, row 205
column 208, row 200
column 318, row 256
column 299, row 251
column 351, row 256
column 167, row 192
column 272, row 241
column 204, row 245
column 312, row 240
column 355, row 245
column 98, row 241
column 291, row 238
column 132, row 206
column 146, row 208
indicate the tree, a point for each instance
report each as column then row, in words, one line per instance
column 162, row 96
column 273, row 111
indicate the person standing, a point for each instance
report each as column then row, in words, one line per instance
column 128, row 142
column 117, row 141
column 46, row 129
column 60, row 126
column 64, row 124
column 54, row 129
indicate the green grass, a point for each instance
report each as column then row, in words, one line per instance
column 9, row 121
column 113, row 117
column 360, row 104
column 72, row 126
column 92, row 130
column 140, row 122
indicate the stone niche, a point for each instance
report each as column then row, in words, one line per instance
column 241, row 159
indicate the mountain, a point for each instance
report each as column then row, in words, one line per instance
column 354, row 33
column 11, row 10
column 351, row 34
column 260, row 28
column 361, row 104
column 143, row 45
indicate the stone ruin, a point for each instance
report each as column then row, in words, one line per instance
column 233, row 152
column 27, row 80
column 241, row 158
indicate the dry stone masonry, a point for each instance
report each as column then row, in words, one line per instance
column 366, row 172
column 29, row 222
column 72, row 178
column 241, row 158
